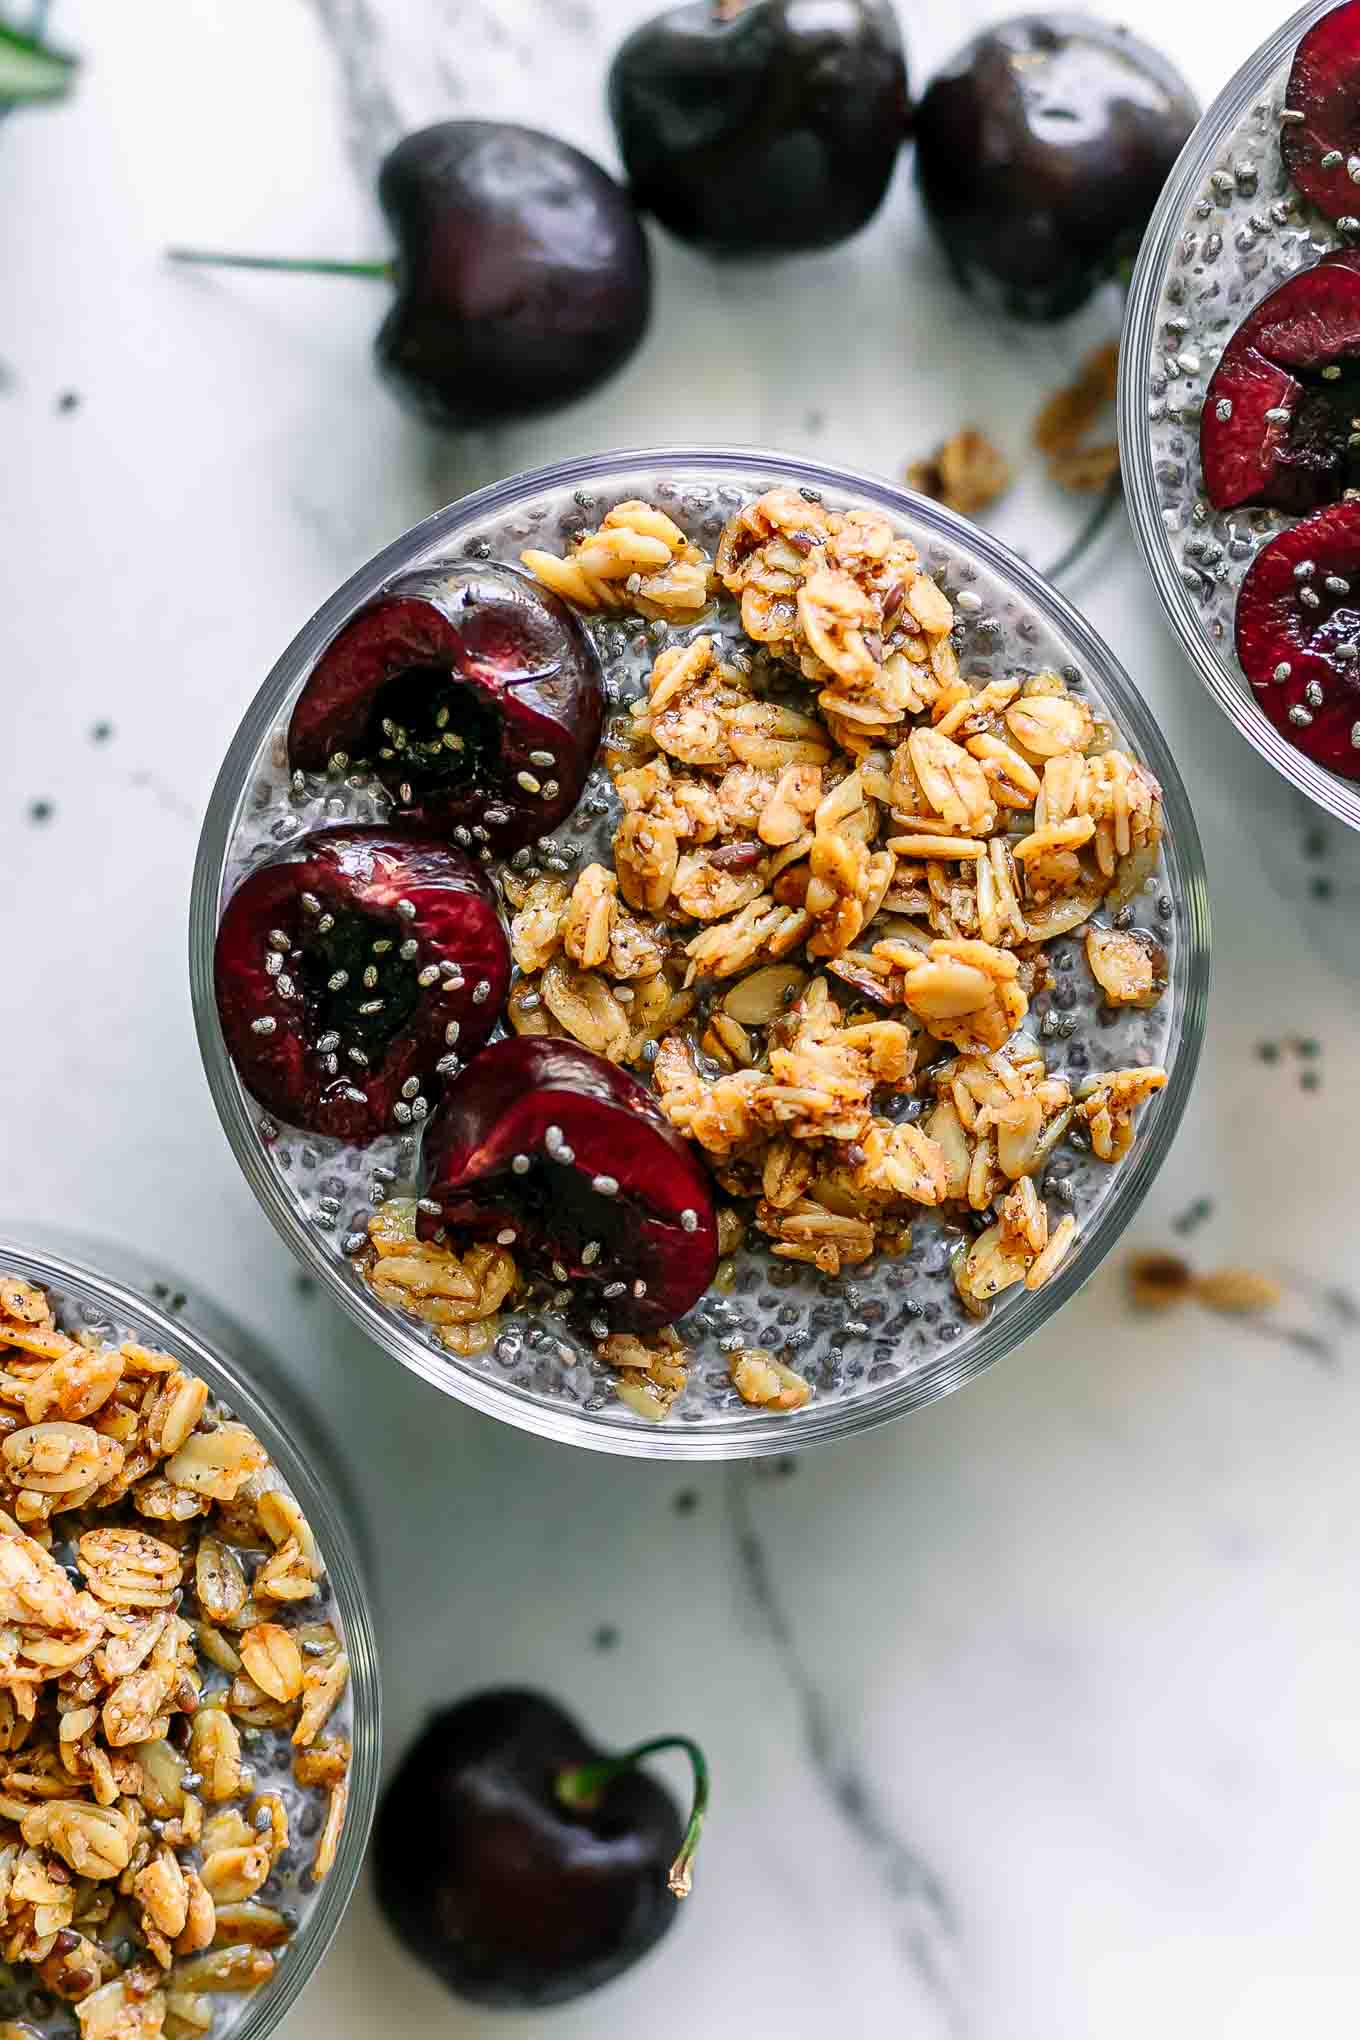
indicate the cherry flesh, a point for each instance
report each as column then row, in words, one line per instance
column 570, row 1158
column 475, row 696
column 1298, row 635
column 353, row 972
column 1280, row 419
column 1321, row 151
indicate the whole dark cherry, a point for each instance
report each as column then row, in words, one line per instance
column 1040, row 152
column 568, row 1158
column 522, row 273
column 523, row 278
column 354, row 972
column 1278, row 423
column 475, row 696
column 762, row 127
column 522, row 1865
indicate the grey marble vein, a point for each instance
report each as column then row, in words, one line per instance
column 372, row 119
column 927, row 1932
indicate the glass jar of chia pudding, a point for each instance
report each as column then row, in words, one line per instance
column 971, row 811
column 191, row 1656
column 1234, row 224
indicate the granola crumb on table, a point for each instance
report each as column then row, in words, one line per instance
column 137, row 1661
column 967, row 473
column 837, row 867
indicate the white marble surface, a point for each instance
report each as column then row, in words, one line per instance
column 1033, row 1718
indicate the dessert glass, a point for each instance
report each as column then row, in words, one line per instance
column 1228, row 228
column 878, row 1343
column 176, row 1324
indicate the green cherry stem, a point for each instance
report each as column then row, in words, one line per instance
column 382, row 271
column 30, row 70
column 580, row 1787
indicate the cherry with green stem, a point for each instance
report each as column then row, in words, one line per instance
column 523, row 1865
column 522, row 275
column 212, row 258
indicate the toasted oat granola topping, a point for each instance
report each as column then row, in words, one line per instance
column 136, row 1657
column 638, row 559
column 838, row 864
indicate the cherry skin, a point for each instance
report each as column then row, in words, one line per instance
column 764, row 127
column 522, row 273
column 516, row 1862
column 1040, row 153
column 353, row 972
column 573, row 1156
column 475, row 696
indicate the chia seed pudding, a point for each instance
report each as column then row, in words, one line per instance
column 178, row 1724
column 894, row 1322
column 1232, row 227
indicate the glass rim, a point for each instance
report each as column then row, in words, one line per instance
column 1338, row 797
column 846, row 1416
column 265, row 2009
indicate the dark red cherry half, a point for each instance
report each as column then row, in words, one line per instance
column 1298, row 635
column 475, row 696
column 571, row 1155
column 1321, row 152
column 352, row 974
column 1279, row 420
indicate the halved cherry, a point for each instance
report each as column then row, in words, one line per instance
column 1298, row 635
column 475, row 696
column 1321, row 151
column 566, row 1156
column 352, row 973
column 1280, row 420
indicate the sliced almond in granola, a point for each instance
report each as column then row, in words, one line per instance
column 1049, row 724
column 1128, row 964
column 273, row 1660
column 766, row 994
column 762, row 1379
column 217, row 1463
column 60, row 1457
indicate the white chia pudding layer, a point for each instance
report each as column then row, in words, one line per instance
column 850, row 1335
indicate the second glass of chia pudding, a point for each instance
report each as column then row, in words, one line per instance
column 686, row 939
column 189, row 1689
column 1240, row 403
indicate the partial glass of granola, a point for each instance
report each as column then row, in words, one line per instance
column 171, row 1694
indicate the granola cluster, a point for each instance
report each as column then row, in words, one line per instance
column 837, row 865
column 154, row 1577
column 824, row 903
column 458, row 1294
